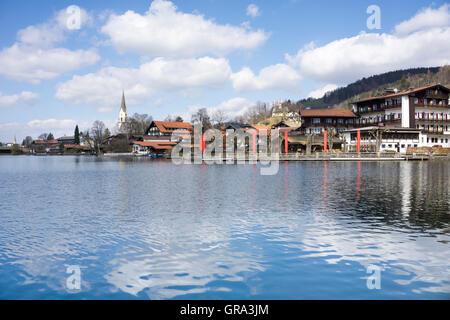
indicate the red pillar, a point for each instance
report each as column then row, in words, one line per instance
column 358, row 141
column 285, row 141
column 203, row 143
column 325, row 146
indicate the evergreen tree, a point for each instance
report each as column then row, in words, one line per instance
column 77, row 135
column 107, row 133
column 50, row 136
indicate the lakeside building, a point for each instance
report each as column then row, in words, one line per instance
column 166, row 128
column 152, row 147
column 425, row 109
column 66, row 140
column 316, row 121
column 383, row 138
column 44, row 146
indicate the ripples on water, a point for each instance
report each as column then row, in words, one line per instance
column 149, row 229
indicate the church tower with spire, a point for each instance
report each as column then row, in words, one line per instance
column 122, row 113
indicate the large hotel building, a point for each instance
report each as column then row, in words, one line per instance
column 425, row 109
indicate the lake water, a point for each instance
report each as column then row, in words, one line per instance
column 148, row 229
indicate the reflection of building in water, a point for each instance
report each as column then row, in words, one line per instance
column 405, row 186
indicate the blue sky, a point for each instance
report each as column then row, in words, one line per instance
column 175, row 57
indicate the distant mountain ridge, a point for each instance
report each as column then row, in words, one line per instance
column 375, row 85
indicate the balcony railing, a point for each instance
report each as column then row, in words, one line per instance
column 433, row 120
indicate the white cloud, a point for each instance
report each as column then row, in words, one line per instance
column 41, row 35
column 159, row 75
column 427, row 18
column 253, row 10
column 231, row 108
column 278, row 76
column 165, row 31
column 34, row 58
column 348, row 59
column 30, row 64
column 319, row 93
column 15, row 99
column 33, row 128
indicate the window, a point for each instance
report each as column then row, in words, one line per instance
column 383, row 146
column 329, row 121
column 350, row 120
column 390, row 145
column 403, row 145
column 340, row 121
column 316, row 120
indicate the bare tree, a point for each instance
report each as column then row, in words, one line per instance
column 97, row 134
column 137, row 124
column 202, row 117
column 27, row 141
column 218, row 117
column 43, row 136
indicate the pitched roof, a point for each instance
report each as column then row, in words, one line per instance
column 45, row 142
column 405, row 92
column 161, row 145
column 259, row 127
column 170, row 126
column 345, row 113
column 237, row 126
column 75, row 146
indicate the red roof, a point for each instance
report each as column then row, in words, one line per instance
column 170, row 126
column 45, row 142
column 344, row 113
column 161, row 145
column 75, row 146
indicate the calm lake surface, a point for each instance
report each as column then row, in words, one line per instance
column 148, row 229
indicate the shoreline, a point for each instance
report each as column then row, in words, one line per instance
column 282, row 157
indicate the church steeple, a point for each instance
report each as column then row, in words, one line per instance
column 123, row 107
column 122, row 113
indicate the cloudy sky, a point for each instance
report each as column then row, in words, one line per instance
column 62, row 65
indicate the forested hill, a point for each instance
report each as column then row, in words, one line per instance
column 402, row 78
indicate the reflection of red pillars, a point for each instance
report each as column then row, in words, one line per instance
column 358, row 141
column 286, row 180
column 254, row 141
column 358, row 180
column 285, row 141
column 325, row 147
column 325, row 180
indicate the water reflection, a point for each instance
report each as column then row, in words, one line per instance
column 149, row 229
